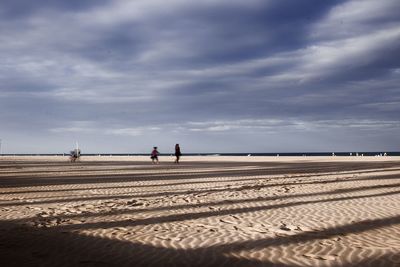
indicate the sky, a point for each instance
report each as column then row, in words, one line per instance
column 122, row 76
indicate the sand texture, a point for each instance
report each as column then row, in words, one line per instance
column 207, row 211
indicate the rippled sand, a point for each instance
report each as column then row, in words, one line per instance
column 207, row 211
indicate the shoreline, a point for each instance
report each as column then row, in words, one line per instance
column 164, row 158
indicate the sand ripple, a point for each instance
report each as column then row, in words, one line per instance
column 300, row 213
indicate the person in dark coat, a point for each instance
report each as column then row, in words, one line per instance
column 178, row 153
column 154, row 155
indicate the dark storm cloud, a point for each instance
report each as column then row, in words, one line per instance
column 209, row 33
column 195, row 70
column 240, row 33
column 20, row 9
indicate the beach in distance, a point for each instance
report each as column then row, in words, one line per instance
column 205, row 211
column 169, row 158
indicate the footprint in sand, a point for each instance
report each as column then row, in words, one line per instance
column 284, row 227
column 287, row 189
column 320, row 257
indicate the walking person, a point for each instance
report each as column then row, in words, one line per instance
column 154, row 155
column 75, row 155
column 178, row 153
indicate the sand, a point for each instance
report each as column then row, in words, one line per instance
column 207, row 211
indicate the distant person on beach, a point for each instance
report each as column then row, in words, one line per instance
column 154, row 155
column 178, row 153
column 75, row 155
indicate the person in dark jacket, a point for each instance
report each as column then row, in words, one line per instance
column 154, row 155
column 178, row 153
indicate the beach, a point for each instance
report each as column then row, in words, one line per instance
column 206, row 211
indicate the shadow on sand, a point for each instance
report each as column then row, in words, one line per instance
column 69, row 246
column 23, row 246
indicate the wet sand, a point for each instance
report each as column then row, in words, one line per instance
column 207, row 211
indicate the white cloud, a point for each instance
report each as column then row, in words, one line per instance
column 76, row 127
column 133, row 131
column 355, row 17
column 261, row 125
column 359, row 50
column 122, row 11
column 93, row 127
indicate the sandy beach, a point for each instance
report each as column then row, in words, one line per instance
column 206, row 211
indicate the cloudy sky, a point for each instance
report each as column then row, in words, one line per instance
column 213, row 75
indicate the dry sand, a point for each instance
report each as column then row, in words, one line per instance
column 208, row 211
